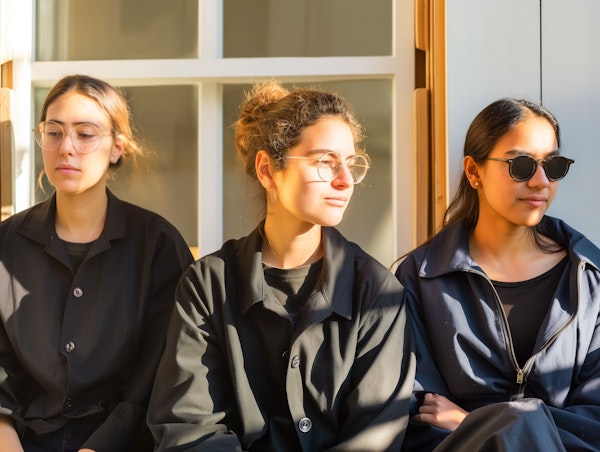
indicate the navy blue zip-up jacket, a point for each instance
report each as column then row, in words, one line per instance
column 464, row 351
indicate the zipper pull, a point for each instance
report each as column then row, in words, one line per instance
column 520, row 374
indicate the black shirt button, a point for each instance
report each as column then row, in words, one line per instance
column 305, row 425
column 77, row 292
column 69, row 346
column 285, row 355
column 69, row 402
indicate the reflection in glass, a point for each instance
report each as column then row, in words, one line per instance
column 307, row 28
column 115, row 29
column 165, row 180
column 368, row 220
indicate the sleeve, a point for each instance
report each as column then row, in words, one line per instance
column 9, row 381
column 193, row 390
column 9, row 365
column 420, row 436
column 579, row 421
column 376, row 410
column 125, row 428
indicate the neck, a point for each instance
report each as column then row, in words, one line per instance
column 509, row 253
column 80, row 218
column 499, row 241
column 286, row 247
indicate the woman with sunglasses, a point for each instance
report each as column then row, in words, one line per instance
column 505, row 301
column 87, row 285
column 291, row 338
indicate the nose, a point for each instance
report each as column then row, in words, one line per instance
column 343, row 179
column 67, row 146
column 539, row 178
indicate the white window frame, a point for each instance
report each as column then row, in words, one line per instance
column 209, row 72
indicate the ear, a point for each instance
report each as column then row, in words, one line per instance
column 472, row 171
column 117, row 149
column 264, row 169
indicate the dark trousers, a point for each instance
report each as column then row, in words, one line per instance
column 69, row 438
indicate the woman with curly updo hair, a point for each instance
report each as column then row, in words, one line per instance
column 291, row 338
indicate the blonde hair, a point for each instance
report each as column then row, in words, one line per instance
column 109, row 99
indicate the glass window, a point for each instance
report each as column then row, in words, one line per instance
column 115, row 29
column 369, row 219
column 165, row 180
column 309, row 28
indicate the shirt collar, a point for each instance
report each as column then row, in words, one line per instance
column 335, row 283
column 39, row 222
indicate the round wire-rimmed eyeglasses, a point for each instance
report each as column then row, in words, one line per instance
column 85, row 137
column 329, row 165
column 523, row 167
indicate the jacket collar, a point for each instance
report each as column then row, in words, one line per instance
column 335, row 284
column 448, row 251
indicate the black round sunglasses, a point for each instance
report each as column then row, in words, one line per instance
column 523, row 167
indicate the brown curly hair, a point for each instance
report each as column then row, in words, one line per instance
column 273, row 119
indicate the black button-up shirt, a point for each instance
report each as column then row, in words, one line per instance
column 78, row 342
column 237, row 375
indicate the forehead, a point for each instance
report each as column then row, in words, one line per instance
column 329, row 133
column 534, row 135
column 76, row 107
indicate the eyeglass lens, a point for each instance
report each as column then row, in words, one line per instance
column 330, row 165
column 523, row 167
column 85, row 137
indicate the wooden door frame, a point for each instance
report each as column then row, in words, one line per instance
column 431, row 135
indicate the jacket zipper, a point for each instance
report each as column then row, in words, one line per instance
column 522, row 373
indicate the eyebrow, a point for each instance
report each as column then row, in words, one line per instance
column 76, row 123
column 516, row 152
column 325, row 151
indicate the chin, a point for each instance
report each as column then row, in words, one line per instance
column 330, row 222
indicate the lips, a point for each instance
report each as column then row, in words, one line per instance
column 66, row 169
column 339, row 201
column 536, row 201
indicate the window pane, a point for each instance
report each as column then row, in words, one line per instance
column 165, row 181
column 368, row 220
column 116, row 29
column 312, row 28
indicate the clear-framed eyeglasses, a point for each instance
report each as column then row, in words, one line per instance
column 329, row 165
column 85, row 137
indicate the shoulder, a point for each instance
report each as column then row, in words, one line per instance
column 446, row 252
column 138, row 220
column 34, row 222
column 579, row 246
column 367, row 271
column 226, row 258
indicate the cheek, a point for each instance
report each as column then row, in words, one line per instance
column 553, row 188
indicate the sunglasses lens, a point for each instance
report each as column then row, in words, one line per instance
column 557, row 167
column 522, row 167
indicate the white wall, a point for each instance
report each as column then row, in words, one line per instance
column 571, row 90
column 538, row 50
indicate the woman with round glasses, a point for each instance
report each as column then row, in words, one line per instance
column 291, row 338
column 87, row 285
column 505, row 302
